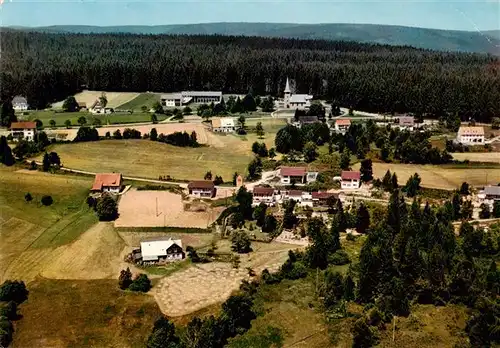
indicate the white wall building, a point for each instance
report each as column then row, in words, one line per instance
column 223, row 125
column 297, row 175
column 296, row 101
column 19, row 103
column 162, row 250
column 342, row 125
column 186, row 97
column 107, row 182
column 471, row 135
column 350, row 180
column 23, row 131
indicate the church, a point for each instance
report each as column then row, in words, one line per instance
column 296, row 101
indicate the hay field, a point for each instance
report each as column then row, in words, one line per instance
column 115, row 99
column 441, row 177
column 204, row 285
column 143, row 99
column 148, row 159
column 78, row 313
column 30, row 232
column 159, row 209
column 492, row 157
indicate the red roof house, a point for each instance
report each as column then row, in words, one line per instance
column 23, row 125
column 350, row 179
column 107, row 182
column 263, row 191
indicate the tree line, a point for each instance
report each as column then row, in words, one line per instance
column 47, row 67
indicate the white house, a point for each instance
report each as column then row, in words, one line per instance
column 98, row 108
column 162, row 250
column 342, row 125
column 19, row 103
column 350, row 179
column 406, row 123
column 297, row 175
column 186, row 97
column 202, row 189
column 263, row 195
column 107, row 182
column 23, row 131
column 471, row 135
column 489, row 195
column 296, row 101
column 223, row 125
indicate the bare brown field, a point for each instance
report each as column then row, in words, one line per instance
column 442, row 177
column 115, row 99
column 160, row 209
column 492, row 157
column 203, row 285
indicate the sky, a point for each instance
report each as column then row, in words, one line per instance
column 442, row 14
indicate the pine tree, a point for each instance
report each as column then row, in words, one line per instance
column 386, row 181
column 366, row 170
column 345, row 159
column 362, row 219
column 46, row 162
column 6, row 156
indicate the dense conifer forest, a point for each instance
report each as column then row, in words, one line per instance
column 48, row 67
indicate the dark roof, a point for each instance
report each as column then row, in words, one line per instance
column 293, row 171
column 294, row 193
column 350, row 175
column 201, row 184
column 406, row 121
column 323, row 195
column 23, row 125
column 263, row 191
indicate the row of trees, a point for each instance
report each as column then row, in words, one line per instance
column 48, row 67
column 12, row 294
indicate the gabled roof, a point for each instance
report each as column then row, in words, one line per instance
column 18, row 99
column 471, row 131
column 151, row 249
column 201, row 184
column 300, row 98
column 23, row 125
column 263, row 191
column 201, row 94
column 82, row 104
column 219, row 122
column 323, row 195
column 294, row 193
column 350, row 175
column 492, row 190
column 107, row 180
column 171, row 96
column 343, row 122
column 406, row 121
column 293, row 171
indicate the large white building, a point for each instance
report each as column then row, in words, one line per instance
column 162, row 250
column 297, row 175
column 19, row 103
column 186, row 97
column 23, row 131
column 296, row 101
column 223, row 125
column 350, row 179
column 471, row 135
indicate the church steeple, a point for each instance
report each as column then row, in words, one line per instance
column 287, row 87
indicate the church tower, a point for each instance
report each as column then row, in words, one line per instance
column 288, row 94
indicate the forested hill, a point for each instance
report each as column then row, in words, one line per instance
column 48, row 67
column 443, row 40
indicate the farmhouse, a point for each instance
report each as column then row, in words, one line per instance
column 263, row 195
column 107, row 182
column 202, row 189
column 470, row 135
column 297, row 175
column 186, row 97
column 223, row 125
column 350, row 179
column 406, row 123
column 82, row 106
column 98, row 108
column 342, row 125
column 489, row 195
column 19, row 103
column 320, row 199
column 162, row 250
column 296, row 101
column 23, row 130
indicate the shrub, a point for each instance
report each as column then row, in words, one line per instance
column 6, row 330
column 13, row 290
column 9, row 310
column 28, row 197
column 339, row 258
column 125, row 279
column 47, row 200
column 240, row 242
column 140, row 283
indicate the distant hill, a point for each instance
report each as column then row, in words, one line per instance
column 443, row 40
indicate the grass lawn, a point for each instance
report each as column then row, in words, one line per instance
column 441, row 177
column 31, row 231
column 68, row 313
column 147, row 99
column 60, row 117
column 148, row 159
